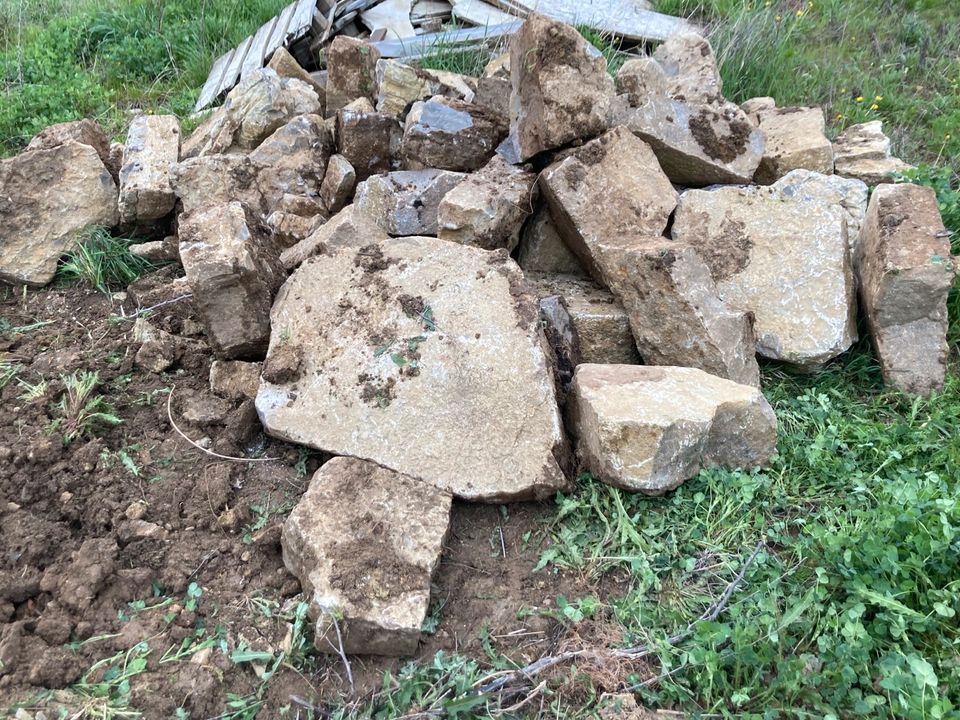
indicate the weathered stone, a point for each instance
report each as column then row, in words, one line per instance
column 46, row 198
column 201, row 182
column 754, row 106
column 450, row 135
column 689, row 66
column 499, row 67
column 846, row 193
column 795, row 139
column 338, row 183
column 863, row 152
column 233, row 273
column 292, row 161
column 366, row 139
column 493, row 95
column 648, row 429
column 542, row 250
column 400, row 85
column 159, row 350
column 351, row 72
column 561, row 91
column 782, row 256
column 151, row 153
column 288, row 229
column 85, row 132
column 235, row 379
column 349, row 228
column 158, row 251
column 489, row 207
column 364, row 542
column 906, row 273
column 115, row 160
column 286, row 66
column 395, row 338
column 406, row 202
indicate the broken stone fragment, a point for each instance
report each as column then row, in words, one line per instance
column 754, row 106
column 648, row 429
column 235, row 379
column 406, row 202
column 216, row 180
column 863, row 152
column 400, row 85
column 46, row 198
column 846, row 193
column 293, row 159
column 158, row 251
column 489, row 207
column 906, row 273
column 348, row 228
column 85, row 132
column 364, row 542
column 392, row 338
column 783, row 256
column 159, row 350
column 288, row 229
column 150, row 154
column 338, row 183
column 561, row 91
column 690, row 68
column 493, row 95
column 351, row 72
column 795, row 139
column 286, row 66
column 450, row 135
column 233, row 273
column 366, row 138
column 498, row 67
column 542, row 250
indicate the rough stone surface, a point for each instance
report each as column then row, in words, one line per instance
column 235, row 379
column 366, row 139
column 286, row 66
column 863, row 152
column 385, row 366
column 754, row 106
column 348, row 228
column 364, row 541
column 493, row 95
column 201, row 182
column 338, row 183
column 689, row 67
column 150, row 154
column 648, row 429
column 561, row 92
column 233, row 273
column 489, row 207
column 85, row 132
column 400, row 85
column 847, row 193
column 542, row 250
column 406, row 202
column 795, row 139
column 782, row 256
column 351, row 72
column 46, row 198
column 450, row 135
column 906, row 273
column 293, row 159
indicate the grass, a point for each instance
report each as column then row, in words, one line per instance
column 102, row 262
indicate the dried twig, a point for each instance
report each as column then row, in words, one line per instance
column 144, row 311
column 341, row 652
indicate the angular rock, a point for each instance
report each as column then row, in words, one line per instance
column 648, row 429
column 450, row 135
column 338, row 183
column 151, row 153
column 863, row 152
column 366, row 139
column 201, row 182
column 115, row 161
column 754, row 106
column 493, row 95
column 288, row 229
column 386, row 343
column 400, row 85
column 85, row 132
column 364, row 542
column 906, row 273
column 406, row 202
column 286, row 66
column 348, row 228
column 846, row 193
column 795, row 139
column 293, row 159
column 782, row 256
column 542, row 250
column 690, row 68
column 158, row 251
column 351, row 72
column 46, row 198
column 561, row 91
column 489, row 207
column 499, row 67
column 235, row 379
column 233, row 273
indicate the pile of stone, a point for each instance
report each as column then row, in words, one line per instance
column 350, row 248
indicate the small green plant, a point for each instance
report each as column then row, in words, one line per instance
column 103, row 262
column 9, row 372
column 106, row 686
column 82, row 412
column 32, row 392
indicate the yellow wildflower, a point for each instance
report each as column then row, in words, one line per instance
column 874, row 107
column 859, row 98
column 878, row 98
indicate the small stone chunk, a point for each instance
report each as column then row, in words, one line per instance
column 286, row 66
column 338, row 183
column 542, row 250
column 151, row 153
column 648, row 429
column 292, row 160
column 216, row 180
column 366, row 138
column 348, row 228
column 849, row 194
column 85, row 132
column 406, row 202
column 364, row 542
column 754, row 106
column 351, row 72
column 450, row 135
column 400, row 85
column 795, row 139
column 235, row 379
column 863, row 152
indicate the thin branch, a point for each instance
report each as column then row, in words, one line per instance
column 144, row 311
column 340, row 651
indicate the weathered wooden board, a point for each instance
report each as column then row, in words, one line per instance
column 423, row 45
column 478, row 12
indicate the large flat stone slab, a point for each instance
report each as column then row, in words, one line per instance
column 422, row 355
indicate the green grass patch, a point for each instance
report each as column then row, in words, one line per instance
column 103, row 262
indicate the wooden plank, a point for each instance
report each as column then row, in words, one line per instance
column 232, row 73
column 302, row 17
column 423, row 45
column 478, row 12
column 428, row 9
column 279, row 35
column 258, row 48
column 211, row 88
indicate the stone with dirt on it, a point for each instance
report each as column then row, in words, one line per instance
column 233, row 272
column 367, row 139
column 288, row 229
column 364, row 542
column 754, row 106
column 386, row 344
column 338, row 183
column 351, row 72
column 286, row 66
column 795, row 139
column 489, row 207
column 348, row 228
column 159, row 350
column 151, row 152
column 235, row 379
column 158, row 251
column 863, row 152
column 85, row 132
column 400, row 85
column 450, row 135
column 293, row 159
column 406, row 202
column 218, row 179
column 46, row 198
column 690, row 68
column 846, row 193
column 90, row 567
column 906, row 273
column 543, row 250
column 783, row 256
column 560, row 89
column 648, row 429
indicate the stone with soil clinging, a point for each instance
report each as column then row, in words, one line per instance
column 286, row 66
column 648, row 429
column 85, row 132
column 150, row 154
column 406, row 202
column 348, row 228
column 450, row 135
column 364, row 542
column 795, row 139
column 863, row 152
column 400, row 85
column 366, row 138
column 338, row 183
column 351, row 72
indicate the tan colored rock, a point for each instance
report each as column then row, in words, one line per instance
column 561, row 91
column 688, row 63
column 488, row 208
column 85, row 132
column 400, row 85
column 848, row 194
column 115, row 161
column 906, row 273
column 755, row 106
column 347, row 229
column 293, row 159
column 795, row 139
column 493, row 95
column 233, row 273
column 364, row 542
column 150, row 154
column 235, row 379
column 450, row 135
column 351, row 72
column 498, row 67
column 288, row 229
column 648, row 429
column 406, row 202
column 782, row 256
column 542, row 250
column 863, row 152
column 367, row 139
column 46, row 198
column 338, row 183
column 286, row 66
column 158, row 251
column 202, row 182
column 391, row 348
